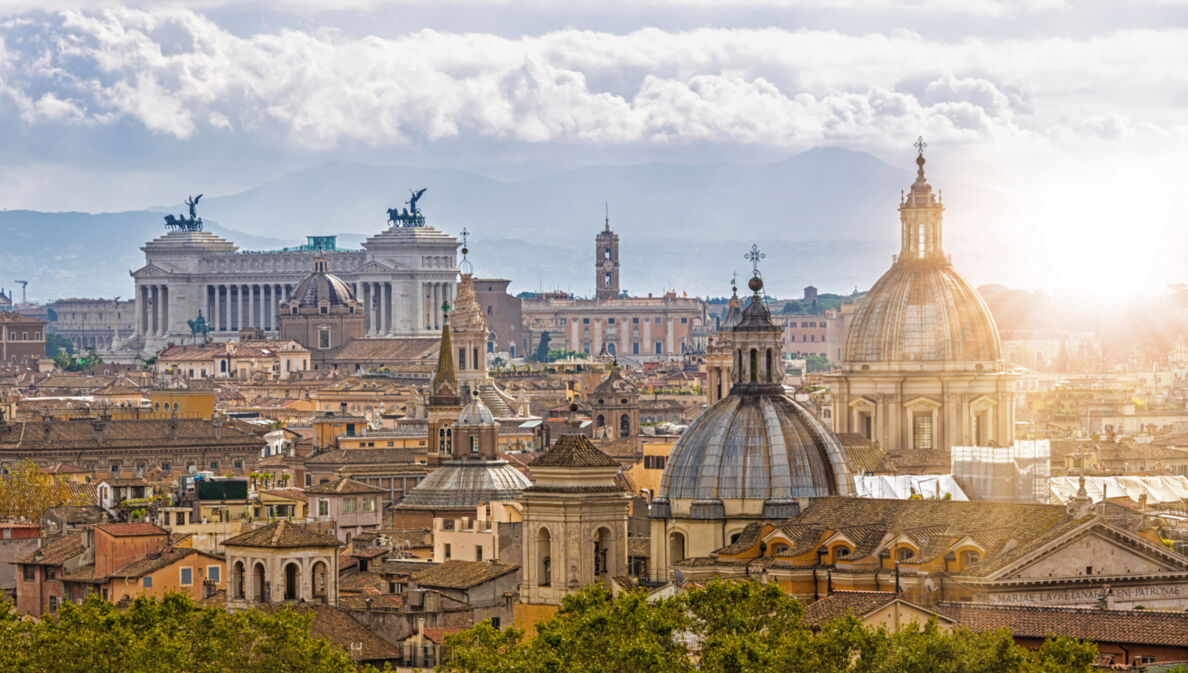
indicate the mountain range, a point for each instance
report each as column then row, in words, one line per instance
column 826, row 217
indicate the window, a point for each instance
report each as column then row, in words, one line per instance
column 654, row 462
column 684, row 321
column 348, row 505
column 969, row 558
column 147, row 582
column 53, row 603
column 585, row 321
column 115, row 468
column 474, row 444
column 461, row 358
column 445, row 551
column 212, row 573
column 904, row 553
column 238, row 463
column 368, row 503
column 606, row 279
column 495, row 622
column 49, row 573
column 659, row 347
column 323, row 508
column 635, row 321
column 30, row 573
column 323, row 337
column 610, row 321
column 656, row 321
column 635, row 348
column 214, row 465
column 187, row 577
column 324, row 309
column 564, row 321
column 922, row 430
column 478, row 553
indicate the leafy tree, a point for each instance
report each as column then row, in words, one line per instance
column 170, row 634
column 56, row 343
column 26, row 491
column 816, row 363
column 542, row 349
column 741, row 627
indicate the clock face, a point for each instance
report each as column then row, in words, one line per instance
column 608, row 265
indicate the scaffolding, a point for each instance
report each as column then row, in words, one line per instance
column 1016, row 473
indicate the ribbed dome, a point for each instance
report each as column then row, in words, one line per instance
column 923, row 311
column 759, row 445
column 475, row 413
column 321, row 286
column 466, row 484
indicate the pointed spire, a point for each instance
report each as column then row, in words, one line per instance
column 444, row 391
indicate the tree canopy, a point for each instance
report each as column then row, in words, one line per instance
column 737, row 627
column 26, row 491
column 170, row 634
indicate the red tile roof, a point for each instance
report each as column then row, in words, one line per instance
column 132, row 529
column 1143, row 627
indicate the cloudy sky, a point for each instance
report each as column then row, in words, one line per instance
column 1078, row 107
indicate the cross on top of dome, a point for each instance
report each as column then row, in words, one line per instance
column 465, row 266
column 754, row 255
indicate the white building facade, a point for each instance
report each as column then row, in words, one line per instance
column 401, row 276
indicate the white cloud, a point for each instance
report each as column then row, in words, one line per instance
column 178, row 73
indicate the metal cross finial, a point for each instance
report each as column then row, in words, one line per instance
column 465, row 234
column 920, row 145
column 754, row 256
column 733, row 278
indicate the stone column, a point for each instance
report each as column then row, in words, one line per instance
column 164, row 309
column 156, row 301
column 670, row 337
column 363, row 295
column 252, row 305
column 646, row 346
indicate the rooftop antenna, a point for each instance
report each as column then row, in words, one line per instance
column 606, row 204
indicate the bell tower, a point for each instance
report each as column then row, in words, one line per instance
column 606, row 262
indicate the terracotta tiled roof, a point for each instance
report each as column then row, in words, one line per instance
column 80, row 434
column 57, row 552
column 156, row 561
column 802, row 538
column 419, row 350
column 748, row 538
column 291, row 493
column 1146, row 627
column 395, row 456
column 398, row 567
column 65, row 468
column 356, row 582
column 77, row 514
column 437, row 634
column 83, row 575
column 839, row 603
column 574, row 450
column 132, row 529
column 282, row 534
column 338, row 627
column 864, row 455
column 344, row 486
column 463, row 574
column 368, row 600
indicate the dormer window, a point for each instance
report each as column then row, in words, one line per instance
column 323, row 309
column 294, row 310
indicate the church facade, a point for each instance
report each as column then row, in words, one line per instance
column 400, row 276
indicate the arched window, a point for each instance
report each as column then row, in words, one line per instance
column 754, row 366
column 768, row 362
column 602, row 557
column 600, row 421
column 237, row 580
column 544, row 552
column 259, row 584
column 904, row 554
column 624, row 426
column 676, row 547
column 292, row 577
column 318, row 579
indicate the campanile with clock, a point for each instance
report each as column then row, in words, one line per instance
column 606, row 263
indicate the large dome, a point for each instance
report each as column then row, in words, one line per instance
column 923, row 311
column 465, row 484
column 758, row 446
column 321, row 285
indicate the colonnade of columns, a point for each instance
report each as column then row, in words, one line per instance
column 153, row 306
column 232, row 307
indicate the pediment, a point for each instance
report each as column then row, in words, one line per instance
column 1097, row 549
column 149, row 271
column 922, row 401
column 861, row 403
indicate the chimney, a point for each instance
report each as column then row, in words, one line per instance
column 173, row 426
column 46, row 426
column 216, row 425
column 98, row 426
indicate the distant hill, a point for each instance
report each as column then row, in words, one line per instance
column 825, row 217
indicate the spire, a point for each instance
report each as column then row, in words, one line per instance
column 920, row 215
column 606, row 204
column 444, row 391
